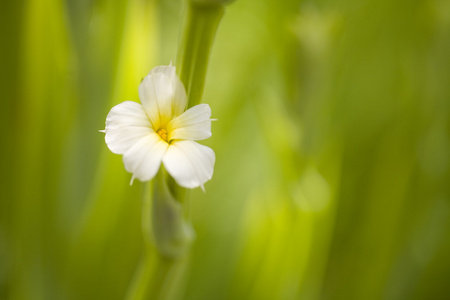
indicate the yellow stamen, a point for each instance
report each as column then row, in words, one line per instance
column 162, row 133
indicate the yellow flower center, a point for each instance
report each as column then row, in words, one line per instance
column 162, row 133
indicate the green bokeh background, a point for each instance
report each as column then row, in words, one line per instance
column 332, row 177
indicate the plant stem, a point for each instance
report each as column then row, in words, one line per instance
column 167, row 235
column 153, row 269
column 200, row 27
column 167, row 238
column 195, row 47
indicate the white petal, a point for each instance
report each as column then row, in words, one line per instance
column 189, row 163
column 193, row 124
column 163, row 96
column 126, row 123
column 179, row 93
column 156, row 94
column 144, row 158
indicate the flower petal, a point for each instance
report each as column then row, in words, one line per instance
column 156, row 94
column 163, row 96
column 189, row 163
column 193, row 124
column 126, row 123
column 144, row 158
column 179, row 101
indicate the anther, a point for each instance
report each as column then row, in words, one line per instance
column 162, row 133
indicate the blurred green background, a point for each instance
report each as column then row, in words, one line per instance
column 332, row 176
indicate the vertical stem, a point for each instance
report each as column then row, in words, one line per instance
column 195, row 47
column 200, row 27
column 153, row 269
column 166, row 233
column 167, row 238
column 172, row 235
column 140, row 284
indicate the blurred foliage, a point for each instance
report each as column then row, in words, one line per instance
column 333, row 142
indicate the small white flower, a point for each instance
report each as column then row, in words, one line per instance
column 160, row 130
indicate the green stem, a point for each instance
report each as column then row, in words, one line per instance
column 200, row 26
column 149, row 281
column 146, row 281
column 167, row 235
column 172, row 235
column 195, row 47
column 167, row 239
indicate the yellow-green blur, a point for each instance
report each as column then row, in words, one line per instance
column 332, row 175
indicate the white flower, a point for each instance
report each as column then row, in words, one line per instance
column 160, row 130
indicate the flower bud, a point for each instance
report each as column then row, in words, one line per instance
column 172, row 234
